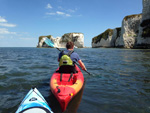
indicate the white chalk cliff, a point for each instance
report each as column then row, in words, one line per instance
column 134, row 33
column 60, row 42
column 129, row 31
column 107, row 38
column 103, row 40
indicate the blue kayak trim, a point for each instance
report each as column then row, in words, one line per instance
column 33, row 99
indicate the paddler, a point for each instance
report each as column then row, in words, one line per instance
column 68, row 58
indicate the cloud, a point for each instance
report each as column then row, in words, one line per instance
column 63, row 14
column 26, row 38
column 5, row 31
column 4, row 23
column 68, row 15
column 51, row 13
column 2, row 19
column 49, row 6
column 7, row 25
column 59, row 13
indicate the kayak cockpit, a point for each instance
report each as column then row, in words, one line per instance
column 66, row 79
column 65, row 86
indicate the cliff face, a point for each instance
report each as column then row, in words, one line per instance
column 103, row 40
column 129, row 31
column 124, row 37
column 109, row 38
column 77, row 38
column 143, row 40
column 60, row 42
column 134, row 33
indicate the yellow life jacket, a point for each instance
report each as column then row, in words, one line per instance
column 65, row 59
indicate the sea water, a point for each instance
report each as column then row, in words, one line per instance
column 119, row 80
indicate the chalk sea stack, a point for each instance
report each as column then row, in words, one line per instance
column 60, row 42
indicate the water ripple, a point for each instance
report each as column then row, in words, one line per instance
column 119, row 82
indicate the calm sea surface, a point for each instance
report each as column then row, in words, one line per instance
column 120, row 80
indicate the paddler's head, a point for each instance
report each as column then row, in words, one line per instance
column 70, row 45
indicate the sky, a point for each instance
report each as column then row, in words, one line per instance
column 23, row 21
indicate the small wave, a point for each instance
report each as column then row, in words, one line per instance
column 14, row 74
column 2, row 66
column 2, row 77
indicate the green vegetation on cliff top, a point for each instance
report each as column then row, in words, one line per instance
column 132, row 16
column 104, row 35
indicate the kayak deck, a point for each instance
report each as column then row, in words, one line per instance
column 66, row 86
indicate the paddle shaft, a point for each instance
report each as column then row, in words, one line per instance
column 58, row 49
column 83, row 70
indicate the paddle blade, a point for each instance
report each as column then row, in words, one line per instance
column 49, row 42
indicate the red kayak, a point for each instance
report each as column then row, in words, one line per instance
column 65, row 86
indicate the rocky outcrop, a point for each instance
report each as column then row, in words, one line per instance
column 143, row 40
column 107, row 38
column 134, row 33
column 60, row 42
column 125, row 36
column 129, row 31
column 41, row 42
column 103, row 40
column 77, row 38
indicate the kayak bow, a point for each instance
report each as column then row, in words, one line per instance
column 34, row 102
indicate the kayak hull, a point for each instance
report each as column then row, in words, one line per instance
column 66, row 86
column 34, row 102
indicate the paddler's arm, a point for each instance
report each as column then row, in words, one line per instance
column 82, row 65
